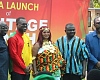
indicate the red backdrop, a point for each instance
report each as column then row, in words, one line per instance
column 53, row 13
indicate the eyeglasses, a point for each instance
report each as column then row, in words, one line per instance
column 4, row 27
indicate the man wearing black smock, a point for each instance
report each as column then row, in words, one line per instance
column 4, row 57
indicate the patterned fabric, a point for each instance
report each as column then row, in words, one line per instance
column 49, row 58
column 74, row 52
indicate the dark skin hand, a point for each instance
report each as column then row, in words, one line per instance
column 84, row 69
column 28, row 69
column 98, row 65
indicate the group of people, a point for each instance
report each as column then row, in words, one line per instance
column 66, row 59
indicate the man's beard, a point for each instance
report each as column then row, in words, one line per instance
column 98, row 30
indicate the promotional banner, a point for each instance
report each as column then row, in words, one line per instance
column 69, row 11
column 52, row 13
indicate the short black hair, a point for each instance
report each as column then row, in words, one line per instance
column 69, row 24
column 18, row 19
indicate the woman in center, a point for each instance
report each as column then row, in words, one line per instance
column 47, row 55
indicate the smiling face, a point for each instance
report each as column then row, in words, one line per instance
column 70, row 31
column 21, row 25
column 3, row 28
column 46, row 33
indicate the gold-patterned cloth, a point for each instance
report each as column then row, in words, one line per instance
column 50, row 59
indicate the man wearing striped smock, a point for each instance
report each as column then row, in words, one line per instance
column 75, row 53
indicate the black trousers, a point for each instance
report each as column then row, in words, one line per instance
column 17, row 76
column 71, row 77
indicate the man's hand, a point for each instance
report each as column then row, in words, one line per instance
column 28, row 69
column 98, row 65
